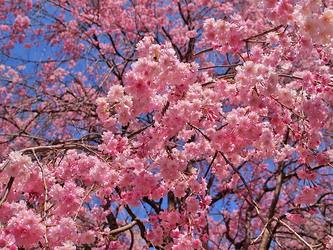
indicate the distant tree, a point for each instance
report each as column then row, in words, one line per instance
column 137, row 124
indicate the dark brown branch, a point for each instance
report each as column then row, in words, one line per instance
column 165, row 108
column 221, row 66
column 241, row 177
column 181, row 14
column 263, row 33
column 199, row 130
column 139, row 131
column 264, row 245
column 203, row 51
column 173, row 45
column 5, row 195
column 211, row 163
column 156, row 206
column 253, row 202
column 4, row 165
column 138, row 222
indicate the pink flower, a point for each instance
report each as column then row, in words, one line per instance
column 180, row 189
column 296, row 218
column 87, row 237
column 67, row 245
column 116, row 92
column 18, row 164
column 205, row 237
column 303, row 175
column 306, row 196
column 215, row 45
column 26, row 228
column 191, row 33
column 196, row 244
column 192, row 204
column 330, row 243
column 175, row 233
column 312, row 176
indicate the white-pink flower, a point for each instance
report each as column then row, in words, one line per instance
column 18, row 164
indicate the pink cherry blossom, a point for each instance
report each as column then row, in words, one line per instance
column 166, row 124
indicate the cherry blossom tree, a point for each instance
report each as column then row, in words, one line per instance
column 193, row 124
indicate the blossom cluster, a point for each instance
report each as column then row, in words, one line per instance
column 174, row 125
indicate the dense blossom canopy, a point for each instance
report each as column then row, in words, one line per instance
column 193, row 124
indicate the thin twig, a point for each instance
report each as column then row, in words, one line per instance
column 290, row 109
column 62, row 146
column 106, row 77
column 241, row 177
column 56, row 4
column 254, row 203
column 9, row 185
column 82, row 201
column 221, row 66
column 294, row 232
column 4, row 165
column 263, row 33
column 255, row 41
column 262, row 232
column 46, row 193
column 211, row 163
column 199, row 130
column 291, row 76
column 203, row 51
column 139, row 131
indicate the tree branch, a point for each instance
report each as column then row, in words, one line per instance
column 9, row 185
column 294, row 232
